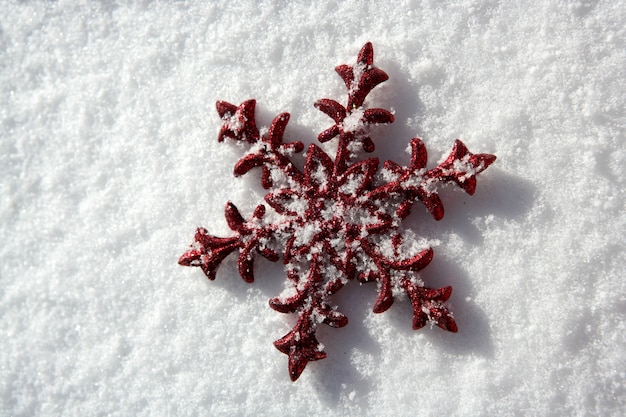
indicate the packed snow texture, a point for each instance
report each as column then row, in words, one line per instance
column 109, row 161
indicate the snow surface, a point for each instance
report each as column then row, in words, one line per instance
column 109, row 160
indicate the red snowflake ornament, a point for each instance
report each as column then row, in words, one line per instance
column 337, row 221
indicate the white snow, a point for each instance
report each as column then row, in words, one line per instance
column 357, row 70
column 351, row 185
column 354, row 120
column 109, row 160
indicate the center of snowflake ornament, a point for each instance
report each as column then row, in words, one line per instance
column 337, row 221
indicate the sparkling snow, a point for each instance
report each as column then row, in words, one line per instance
column 109, row 160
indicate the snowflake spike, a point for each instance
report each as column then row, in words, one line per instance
column 335, row 319
column 393, row 167
column 433, row 204
column 331, row 108
column 239, row 123
column 269, row 254
column 415, row 263
column 225, row 109
column 248, row 162
column 233, row 217
column 337, row 220
column 277, row 129
column 207, row 252
column 385, row 295
column 289, row 305
column 377, row 116
column 333, row 286
column 295, row 147
column 329, row 134
column 259, row 211
column 366, row 54
column 468, row 185
column 245, row 265
column 190, row 258
column 404, row 209
column 266, row 178
column 459, row 150
column 298, row 301
column 445, row 320
column 419, row 155
column 346, row 73
column 485, row 159
column 438, row 294
column 368, row 145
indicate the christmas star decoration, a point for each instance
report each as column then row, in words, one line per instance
column 339, row 219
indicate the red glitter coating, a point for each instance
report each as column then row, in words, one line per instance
column 339, row 220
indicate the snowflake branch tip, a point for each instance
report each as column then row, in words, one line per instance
column 362, row 77
column 208, row 252
column 428, row 306
column 269, row 152
column 238, row 121
column 462, row 166
column 353, row 121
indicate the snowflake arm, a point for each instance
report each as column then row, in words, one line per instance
column 208, row 251
column 268, row 152
column 310, row 303
column 416, row 183
column 352, row 122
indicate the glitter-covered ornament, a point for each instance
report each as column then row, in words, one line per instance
column 339, row 219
